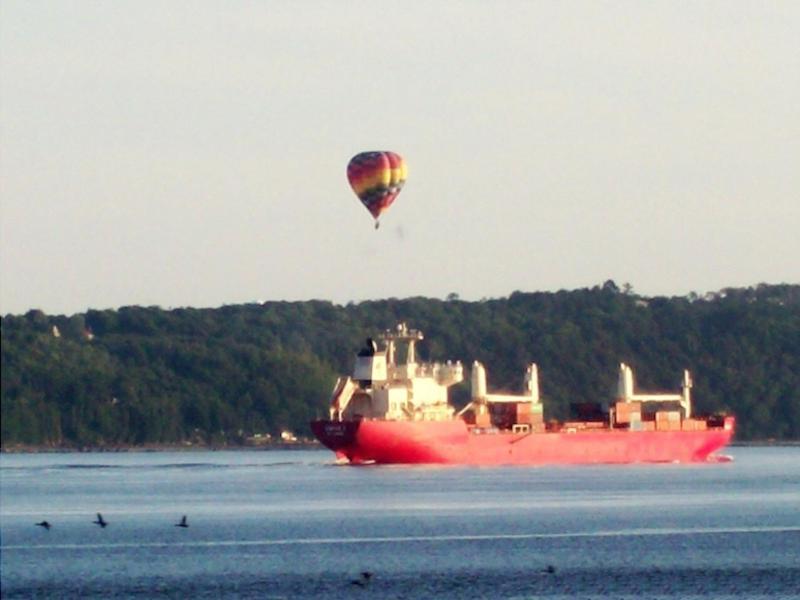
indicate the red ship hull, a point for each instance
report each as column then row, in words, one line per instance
column 453, row 442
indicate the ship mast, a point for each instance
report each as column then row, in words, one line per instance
column 401, row 334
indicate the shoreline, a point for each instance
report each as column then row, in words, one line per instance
column 299, row 445
column 767, row 443
column 25, row 449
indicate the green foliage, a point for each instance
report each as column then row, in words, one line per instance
column 143, row 375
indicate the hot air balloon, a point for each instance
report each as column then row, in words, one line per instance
column 376, row 178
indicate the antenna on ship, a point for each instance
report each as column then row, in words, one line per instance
column 402, row 334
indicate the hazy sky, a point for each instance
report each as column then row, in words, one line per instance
column 194, row 153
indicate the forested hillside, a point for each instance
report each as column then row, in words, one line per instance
column 139, row 375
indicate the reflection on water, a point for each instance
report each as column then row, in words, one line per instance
column 292, row 524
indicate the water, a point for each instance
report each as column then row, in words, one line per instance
column 291, row 524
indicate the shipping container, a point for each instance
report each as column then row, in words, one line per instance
column 668, row 415
column 694, row 425
column 666, row 425
column 628, row 411
column 479, row 420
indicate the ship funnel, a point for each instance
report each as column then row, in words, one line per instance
column 478, row 381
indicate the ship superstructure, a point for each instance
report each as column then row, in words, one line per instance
column 381, row 389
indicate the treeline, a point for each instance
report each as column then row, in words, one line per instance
column 144, row 375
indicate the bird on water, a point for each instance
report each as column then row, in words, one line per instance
column 100, row 521
column 182, row 523
column 363, row 581
column 44, row 524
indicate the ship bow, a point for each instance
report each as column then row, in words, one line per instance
column 339, row 436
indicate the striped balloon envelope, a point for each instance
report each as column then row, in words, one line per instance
column 376, row 178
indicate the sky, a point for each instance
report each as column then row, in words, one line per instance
column 193, row 153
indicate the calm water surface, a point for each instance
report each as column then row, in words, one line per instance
column 291, row 524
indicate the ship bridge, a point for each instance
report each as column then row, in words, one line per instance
column 382, row 388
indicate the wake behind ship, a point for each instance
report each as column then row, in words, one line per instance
column 400, row 414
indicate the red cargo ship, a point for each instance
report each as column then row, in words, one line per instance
column 400, row 414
